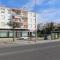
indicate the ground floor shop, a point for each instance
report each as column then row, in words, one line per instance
column 17, row 33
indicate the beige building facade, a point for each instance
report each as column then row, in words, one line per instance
column 24, row 22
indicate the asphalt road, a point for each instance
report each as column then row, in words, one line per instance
column 46, row 51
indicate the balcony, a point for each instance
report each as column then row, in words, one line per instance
column 17, row 21
column 16, row 16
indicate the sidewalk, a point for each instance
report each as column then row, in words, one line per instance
column 23, row 42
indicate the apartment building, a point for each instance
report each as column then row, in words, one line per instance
column 5, row 16
column 24, row 22
column 31, row 21
column 21, row 17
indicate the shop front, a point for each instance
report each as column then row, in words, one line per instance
column 16, row 33
column 8, row 33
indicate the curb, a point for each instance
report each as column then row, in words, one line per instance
column 15, row 44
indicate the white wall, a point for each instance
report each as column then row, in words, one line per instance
column 31, row 21
column 4, row 17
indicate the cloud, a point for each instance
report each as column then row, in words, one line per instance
column 53, row 1
column 38, row 2
column 31, row 4
column 48, row 10
column 50, row 15
column 28, row 6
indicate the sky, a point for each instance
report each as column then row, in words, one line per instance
column 48, row 10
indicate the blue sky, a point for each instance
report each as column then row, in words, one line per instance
column 48, row 10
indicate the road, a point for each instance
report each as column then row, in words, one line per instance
column 45, row 51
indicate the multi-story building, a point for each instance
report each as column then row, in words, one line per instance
column 24, row 21
column 31, row 21
column 5, row 16
column 21, row 17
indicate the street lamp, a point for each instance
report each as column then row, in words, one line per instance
column 35, row 22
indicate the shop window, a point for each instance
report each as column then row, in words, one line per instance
column 3, row 34
column 24, row 34
column 10, row 34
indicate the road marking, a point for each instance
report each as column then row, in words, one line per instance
column 27, row 50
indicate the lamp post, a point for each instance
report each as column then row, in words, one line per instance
column 35, row 23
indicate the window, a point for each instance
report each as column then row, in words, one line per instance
column 9, row 11
column 2, row 10
column 25, row 26
column 10, row 34
column 9, row 19
column 3, row 34
column 24, row 34
column 2, row 17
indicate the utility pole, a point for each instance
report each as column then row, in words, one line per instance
column 35, row 23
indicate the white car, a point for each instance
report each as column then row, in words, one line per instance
column 24, row 38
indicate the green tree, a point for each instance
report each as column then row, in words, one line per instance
column 14, row 25
column 46, row 30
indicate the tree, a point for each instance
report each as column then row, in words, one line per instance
column 50, row 27
column 14, row 24
column 46, row 29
